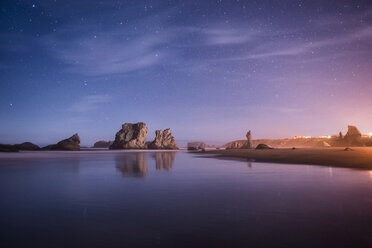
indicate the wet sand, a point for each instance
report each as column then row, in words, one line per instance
column 359, row 157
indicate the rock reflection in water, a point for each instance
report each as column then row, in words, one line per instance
column 135, row 164
column 132, row 164
column 164, row 160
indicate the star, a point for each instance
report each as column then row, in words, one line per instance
column 33, row 5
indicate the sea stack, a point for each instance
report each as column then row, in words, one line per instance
column 340, row 136
column 131, row 136
column 70, row 144
column 353, row 136
column 248, row 144
column 164, row 140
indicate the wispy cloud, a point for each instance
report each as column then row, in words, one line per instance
column 125, row 47
column 91, row 102
column 299, row 49
column 287, row 110
column 224, row 36
column 110, row 52
column 144, row 45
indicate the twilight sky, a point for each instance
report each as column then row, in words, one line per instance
column 209, row 70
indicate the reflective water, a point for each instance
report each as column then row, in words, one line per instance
column 177, row 199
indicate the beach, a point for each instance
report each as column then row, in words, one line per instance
column 359, row 157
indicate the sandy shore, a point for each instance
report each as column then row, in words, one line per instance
column 359, row 157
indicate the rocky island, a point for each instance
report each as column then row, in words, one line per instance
column 163, row 140
column 130, row 136
column 26, row 146
column 70, row 144
column 133, row 136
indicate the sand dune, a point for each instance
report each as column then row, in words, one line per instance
column 359, row 157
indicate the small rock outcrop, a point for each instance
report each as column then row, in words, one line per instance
column 164, row 140
column 237, row 144
column 8, row 148
column 323, row 144
column 131, row 136
column 102, row 144
column 263, row 147
column 353, row 136
column 27, row 146
column 248, row 144
column 196, row 146
column 70, row 144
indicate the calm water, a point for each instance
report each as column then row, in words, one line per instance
column 177, row 199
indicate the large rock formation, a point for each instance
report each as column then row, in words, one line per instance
column 70, row 144
column 248, row 144
column 102, row 144
column 131, row 136
column 164, row 140
column 353, row 136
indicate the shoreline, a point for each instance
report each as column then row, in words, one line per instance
column 67, row 154
column 358, row 158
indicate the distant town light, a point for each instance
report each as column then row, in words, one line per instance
column 302, row 137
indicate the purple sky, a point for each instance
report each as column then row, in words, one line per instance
column 209, row 70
